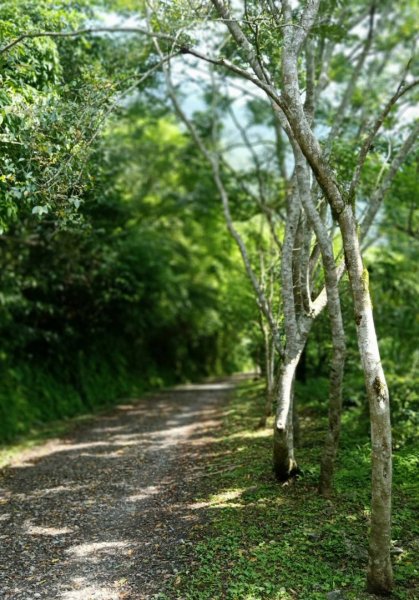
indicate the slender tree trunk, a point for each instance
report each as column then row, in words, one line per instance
column 327, row 461
column 284, row 462
column 380, row 573
column 269, row 374
column 336, row 323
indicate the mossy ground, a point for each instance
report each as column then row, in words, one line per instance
column 266, row 541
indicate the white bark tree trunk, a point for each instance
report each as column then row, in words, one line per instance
column 380, row 575
column 284, row 462
column 269, row 356
column 336, row 322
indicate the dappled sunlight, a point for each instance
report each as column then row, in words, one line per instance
column 83, row 590
column 205, row 387
column 272, row 540
column 127, row 439
column 30, row 529
column 24, row 465
column 148, row 491
column 247, row 434
column 93, row 550
column 225, row 496
column 53, row 447
column 115, row 454
column 60, row 489
column 110, row 501
column 223, row 499
column 125, row 444
column 105, row 430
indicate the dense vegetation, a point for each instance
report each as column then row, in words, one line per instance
column 153, row 231
column 131, row 295
column 116, row 266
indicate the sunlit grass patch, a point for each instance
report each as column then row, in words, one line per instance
column 265, row 541
column 251, row 435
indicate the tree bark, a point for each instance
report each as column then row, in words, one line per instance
column 331, row 444
column 284, row 462
column 269, row 351
column 336, row 322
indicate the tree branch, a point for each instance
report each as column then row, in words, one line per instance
column 341, row 111
column 380, row 192
column 402, row 89
column 215, row 168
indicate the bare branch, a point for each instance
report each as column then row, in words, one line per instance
column 261, row 186
column 80, row 32
column 380, row 192
column 341, row 111
column 402, row 89
column 213, row 161
column 241, row 40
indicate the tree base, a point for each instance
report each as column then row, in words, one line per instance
column 324, row 491
column 381, row 582
column 284, row 464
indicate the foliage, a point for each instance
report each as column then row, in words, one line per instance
column 133, row 295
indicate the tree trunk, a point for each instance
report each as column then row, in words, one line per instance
column 269, row 374
column 327, row 461
column 380, row 576
column 380, row 573
column 336, row 322
column 284, row 462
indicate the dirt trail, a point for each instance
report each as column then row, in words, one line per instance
column 102, row 513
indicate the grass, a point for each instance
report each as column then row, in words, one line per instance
column 264, row 541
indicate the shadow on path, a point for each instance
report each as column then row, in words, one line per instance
column 100, row 514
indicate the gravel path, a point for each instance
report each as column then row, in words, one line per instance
column 102, row 513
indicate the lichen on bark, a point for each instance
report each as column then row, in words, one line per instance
column 379, row 387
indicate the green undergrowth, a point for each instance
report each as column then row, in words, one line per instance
column 37, row 435
column 260, row 540
column 39, row 403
